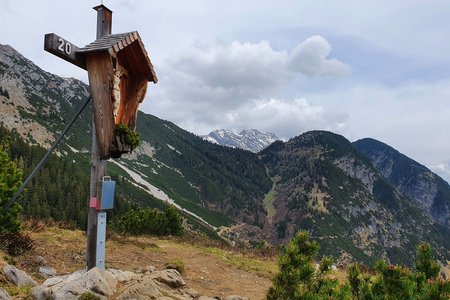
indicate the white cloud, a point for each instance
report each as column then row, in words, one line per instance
column 241, row 85
column 287, row 118
column 257, row 67
column 412, row 117
column 238, row 65
column 443, row 170
column 311, row 58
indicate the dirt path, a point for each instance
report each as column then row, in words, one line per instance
column 215, row 275
column 210, row 271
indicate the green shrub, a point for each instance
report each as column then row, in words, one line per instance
column 298, row 279
column 394, row 282
column 10, row 181
column 399, row 282
column 150, row 221
column 176, row 264
column 425, row 262
column 132, row 138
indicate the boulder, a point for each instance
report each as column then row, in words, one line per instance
column 171, row 277
column 47, row 271
column 123, row 276
column 54, row 280
column 18, row 277
column 41, row 260
column 97, row 282
column 4, row 295
column 144, row 289
column 165, row 284
column 235, row 297
column 148, row 269
column 41, row 292
column 100, row 283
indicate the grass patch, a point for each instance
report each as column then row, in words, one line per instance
column 260, row 267
column 268, row 202
column 58, row 236
column 177, row 264
column 140, row 242
column 88, row 296
column 152, row 249
column 19, row 292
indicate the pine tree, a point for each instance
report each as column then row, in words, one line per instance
column 425, row 261
column 298, row 278
column 10, row 181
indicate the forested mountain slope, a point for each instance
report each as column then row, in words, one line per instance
column 317, row 181
column 327, row 187
column 217, row 184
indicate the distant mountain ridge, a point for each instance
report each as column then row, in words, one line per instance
column 317, row 181
column 410, row 178
column 170, row 166
column 321, row 182
column 249, row 139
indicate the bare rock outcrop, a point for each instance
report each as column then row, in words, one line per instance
column 147, row 283
column 18, row 277
column 4, row 295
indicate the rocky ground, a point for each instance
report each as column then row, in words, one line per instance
column 206, row 271
column 146, row 283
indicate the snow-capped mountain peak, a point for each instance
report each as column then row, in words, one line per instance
column 249, row 139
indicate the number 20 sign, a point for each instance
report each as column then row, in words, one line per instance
column 64, row 46
column 63, row 49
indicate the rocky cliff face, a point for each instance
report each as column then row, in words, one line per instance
column 322, row 184
column 319, row 182
column 205, row 181
column 35, row 103
column 409, row 178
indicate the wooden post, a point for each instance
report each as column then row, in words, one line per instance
column 98, row 165
column 126, row 54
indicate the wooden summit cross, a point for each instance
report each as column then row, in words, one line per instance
column 119, row 70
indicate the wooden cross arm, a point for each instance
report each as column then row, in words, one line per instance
column 63, row 49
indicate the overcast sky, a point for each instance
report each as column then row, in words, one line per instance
column 376, row 68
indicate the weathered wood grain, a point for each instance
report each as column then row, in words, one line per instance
column 100, row 71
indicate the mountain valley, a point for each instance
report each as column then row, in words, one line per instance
column 360, row 200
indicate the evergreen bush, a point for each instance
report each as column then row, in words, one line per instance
column 10, row 181
column 299, row 279
column 150, row 221
column 425, row 262
column 131, row 137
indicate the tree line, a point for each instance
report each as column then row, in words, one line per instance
column 60, row 191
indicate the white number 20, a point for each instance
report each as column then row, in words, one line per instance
column 64, row 46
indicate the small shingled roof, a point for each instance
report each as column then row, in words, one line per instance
column 114, row 43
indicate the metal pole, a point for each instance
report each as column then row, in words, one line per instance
column 98, row 165
column 44, row 159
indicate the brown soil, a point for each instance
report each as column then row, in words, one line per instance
column 210, row 271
